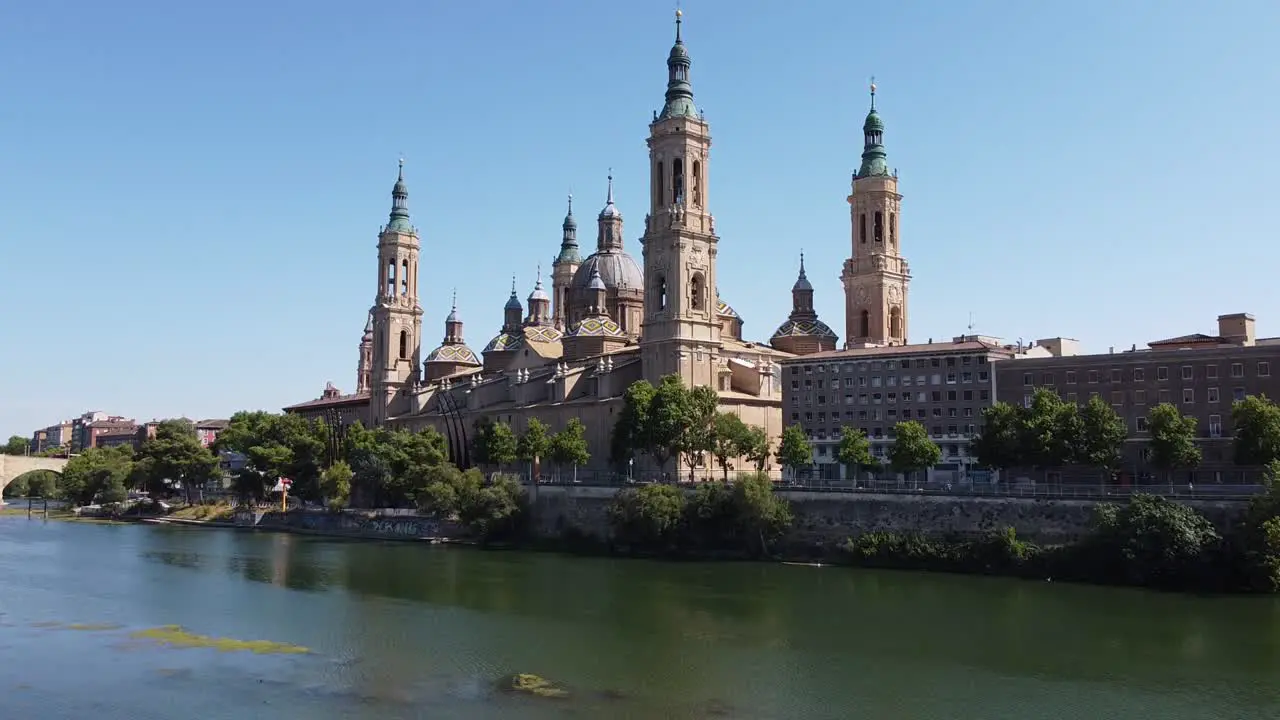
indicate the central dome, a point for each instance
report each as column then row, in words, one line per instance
column 617, row 269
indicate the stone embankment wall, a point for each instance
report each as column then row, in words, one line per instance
column 825, row 517
column 353, row 523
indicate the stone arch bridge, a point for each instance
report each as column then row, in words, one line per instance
column 12, row 466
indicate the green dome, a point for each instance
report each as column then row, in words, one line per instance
column 873, row 123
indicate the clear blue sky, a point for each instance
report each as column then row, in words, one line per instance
column 190, row 192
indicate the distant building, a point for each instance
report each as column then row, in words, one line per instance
column 943, row 386
column 39, row 441
column 207, row 430
column 1202, row 375
column 108, row 433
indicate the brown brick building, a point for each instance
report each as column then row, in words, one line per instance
column 1202, row 375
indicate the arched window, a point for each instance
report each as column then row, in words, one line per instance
column 895, row 323
column 879, row 229
column 660, row 292
column 862, row 227
column 404, row 278
column 865, row 324
column 893, row 228
column 697, row 183
column 391, row 277
column 697, row 292
column 404, row 344
column 677, row 180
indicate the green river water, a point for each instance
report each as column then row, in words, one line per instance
column 402, row 630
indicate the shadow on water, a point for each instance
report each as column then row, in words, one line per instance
column 639, row 613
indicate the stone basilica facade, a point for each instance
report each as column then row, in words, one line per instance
column 609, row 320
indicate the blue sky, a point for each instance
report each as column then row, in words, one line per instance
column 190, row 192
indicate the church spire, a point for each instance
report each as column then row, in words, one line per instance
column 679, row 91
column 873, row 154
column 609, row 233
column 400, row 204
column 453, row 324
column 569, row 240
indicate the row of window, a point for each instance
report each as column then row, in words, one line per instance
column 890, row 398
column 1212, row 395
column 890, row 414
column 880, row 432
column 875, row 365
column 949, row 451
column 876, row 381
column 1186, row 372
column 1215, row 425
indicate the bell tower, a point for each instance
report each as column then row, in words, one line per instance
column 876, row 276
column 681, row 331
column 397, row 316
column 562, row 270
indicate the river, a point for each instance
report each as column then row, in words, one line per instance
column 402, row 630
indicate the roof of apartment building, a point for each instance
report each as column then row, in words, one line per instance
column 964, row 343
column 212, row 424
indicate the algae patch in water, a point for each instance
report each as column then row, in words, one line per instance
column 536, row 686
column 178, row 637
column 93, row 627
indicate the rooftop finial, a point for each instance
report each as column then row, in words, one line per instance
column 873, row 92
column 679, row 14
column 801, row 263
column 402, row 166
column 513, row 284
column 610, row 198
column 570, row 203
column 455, row 294
column 539, row 282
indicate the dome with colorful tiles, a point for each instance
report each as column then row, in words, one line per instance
column 596, row 327
column 460, row 354
column 542, row 334
column 724, row 310
column 504, row 341
column 805, row 328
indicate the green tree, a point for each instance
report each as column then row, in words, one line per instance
column 1173, row 439
column 97, row 473
column 533, row 445
column 494, row 511
column 999, row 445
column 794, row 450
column 281, row 445
column 755, row 447
column 630, row 431
column 697, row 435
column 569, row 446
column 1256, row 422
column 912, row 448
column 731, row 438
column 17, row 445
column 175, row 455
column 854, row 450
column 648, row 517
column 1103, row 433
column 481, row 432
column 335, row 483
column 669, row 411
column 1050, row 431
column 1154, row 541
column 762, row 516
column 503, row 448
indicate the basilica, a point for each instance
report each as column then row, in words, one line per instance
column 601, row 322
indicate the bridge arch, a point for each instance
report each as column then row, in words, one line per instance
column 13, row 466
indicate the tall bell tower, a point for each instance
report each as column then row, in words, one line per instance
column 876, row 276
column 681, row 331
column 397, row 316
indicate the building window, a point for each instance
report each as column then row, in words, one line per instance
column 1115, row 375
column 879, row 227
column 660, row 289
column 1071, row 397
column 404, row 344
column 1237, row 394
column 1093, row 376
column 1188, row 396
column 404, row 277
column 659, row 194
column 1071, row 377
column 893, row 228
column 1046, row 378
column 1264, row 369
column 677, row 180
column 983, row 376
column 1139, row 375
column 1162, row 373
column 697, row 184
column 1139, row 397
column 1211, row 372
column 1215, row 426
column 864, row 324
column 1028, row 379
column 1163, row 396
column 1187, row 372
column 1026, row 401
column 1237, row 370
column 1140, row 424
column 1117, row 397
column 1213, row 394
column 696, row 292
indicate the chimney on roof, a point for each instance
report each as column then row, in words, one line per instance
column 1237, row 329
column 930, row 341
column 1111, row 350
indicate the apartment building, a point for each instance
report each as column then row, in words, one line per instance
column 1202, row 375
column 943, row 386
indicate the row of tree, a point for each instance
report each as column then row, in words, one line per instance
column 1052, row 432
column 497, row 445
